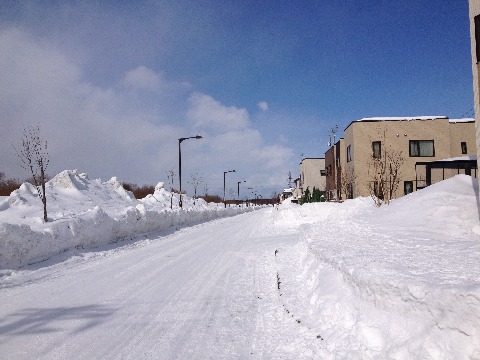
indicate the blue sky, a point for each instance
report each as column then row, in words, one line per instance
column 115, row 84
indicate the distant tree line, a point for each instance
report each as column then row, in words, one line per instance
column 139, row 191
column 8, row 185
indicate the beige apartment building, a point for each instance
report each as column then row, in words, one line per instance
column 420, row 141
column 312, row 174
column 335, row 157
column 474, row 10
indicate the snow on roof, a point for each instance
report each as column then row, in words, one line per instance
column 460, row 158
column 461, row 120
column 404, row 118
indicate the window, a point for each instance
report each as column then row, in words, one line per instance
column 422, row 148
column 477, row 36
column 349, row 153
column 322, row 173
column 463, row 144
column 407, row 187
column 377, row 149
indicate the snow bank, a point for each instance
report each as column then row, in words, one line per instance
column 86, row 213
column 398, row 282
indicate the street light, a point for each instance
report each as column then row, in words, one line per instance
column 224, row 173
column 180, row 162
column 250, row 188
column 238, row 188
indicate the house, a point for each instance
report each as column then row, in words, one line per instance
column 312, row 175
column 474, row 10
column 334, row 158
column 287, row 193
column 297, row 194
column 412, row 140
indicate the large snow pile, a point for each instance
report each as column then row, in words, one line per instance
column 84, row 213
column 397, row 282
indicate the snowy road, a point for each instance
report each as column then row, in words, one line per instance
column 202, row 292
column 319, row 281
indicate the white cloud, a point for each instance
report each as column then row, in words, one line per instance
column 142, row 78
column 96, row 130
column 236, row 144
column 263, row 105
column 205, row 111
column 121, row 130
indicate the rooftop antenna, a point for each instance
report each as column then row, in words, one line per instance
column 333, row 133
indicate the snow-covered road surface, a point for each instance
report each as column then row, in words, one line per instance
column 195, row 293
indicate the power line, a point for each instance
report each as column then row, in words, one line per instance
column 467, row 113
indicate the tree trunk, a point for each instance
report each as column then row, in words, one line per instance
column 44, row 197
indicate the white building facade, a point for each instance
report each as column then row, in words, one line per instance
column 474, row 9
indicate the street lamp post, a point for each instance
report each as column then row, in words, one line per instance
column 224, row 173
column 180, row 162
column 252, row 192
column 238, row 188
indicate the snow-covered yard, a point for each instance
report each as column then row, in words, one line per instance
column 318, row 281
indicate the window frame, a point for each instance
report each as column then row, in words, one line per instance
column 476, row 21
column 463, row 146
column 418, row 148
column 379, row 144
column 349, row 153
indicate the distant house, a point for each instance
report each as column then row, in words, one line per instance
column 335, row 157
column 297, row 194
column 312, row 175
column 287, row 193
column 418, row 140
column 474, row 6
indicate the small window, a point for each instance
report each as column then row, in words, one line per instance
column 323, row 173
column 421, row 148
column 463, row 144
column 377, row 149
column 407, row 187
column 349, row 153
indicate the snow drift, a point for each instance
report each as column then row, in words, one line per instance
column 398, row 282
column 86, row 213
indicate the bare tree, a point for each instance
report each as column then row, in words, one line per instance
column 205, row 188
column 231, row 192
column 274, row 195
column 171, row 178
column 195, row 180
column 347, row 179
column 384, row 172
column 35, row 158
